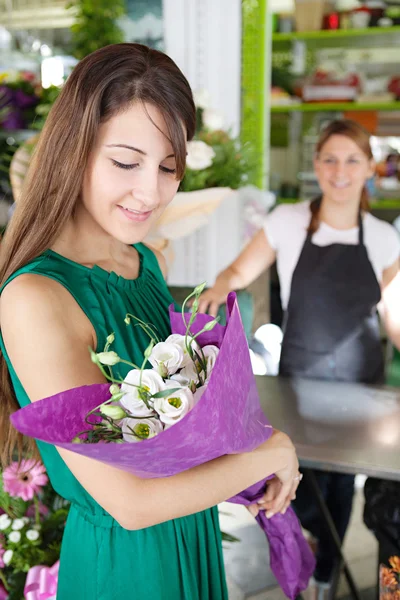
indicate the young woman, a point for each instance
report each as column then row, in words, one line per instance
column 108, row 162
column 336, row 262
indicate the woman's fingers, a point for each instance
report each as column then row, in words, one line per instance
column 253, row 509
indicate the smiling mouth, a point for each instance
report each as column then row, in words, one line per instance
column 135, row 215
column 340, row 185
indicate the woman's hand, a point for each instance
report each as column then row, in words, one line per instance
column 281, row 490
column 266, row 503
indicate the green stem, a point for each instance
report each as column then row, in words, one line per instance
column 37, row 511
column 146, row 327
column 4, row 581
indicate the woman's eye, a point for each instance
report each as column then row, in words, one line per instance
column 123, row 165
column 166, row 170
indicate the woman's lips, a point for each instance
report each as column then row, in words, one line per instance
column 136, row 216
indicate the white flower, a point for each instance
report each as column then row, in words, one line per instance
column 25, row 520
column 18, row 524
column 166, row 358
column 7, row 557
column 187, row 375
column 144, row 429
column 199, row 155
column 5, row 522
column 179, row 380
column 210, row 354
column 172, row 408
column 179, row 340
column 32, row 535
column 201, row 99
column 15, row 537
column 131, row 401
column 212, row 119
column 198, row 393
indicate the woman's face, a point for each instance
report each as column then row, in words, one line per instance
column 342, row 169
column 130, row 177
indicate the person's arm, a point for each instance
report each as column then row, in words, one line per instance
column 391, row 302
column 255, row 258
column 47, row 337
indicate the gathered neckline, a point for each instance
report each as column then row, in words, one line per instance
column 110, row 277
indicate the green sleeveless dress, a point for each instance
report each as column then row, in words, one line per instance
column 177, row 560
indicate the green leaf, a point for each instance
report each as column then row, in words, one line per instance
column 165, row 393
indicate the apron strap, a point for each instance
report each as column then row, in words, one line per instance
column 317, row 201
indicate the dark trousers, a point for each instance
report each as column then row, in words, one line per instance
column 337, row 490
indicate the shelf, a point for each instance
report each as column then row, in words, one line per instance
column 333, row 34
column 383, row 204
column 334, row 106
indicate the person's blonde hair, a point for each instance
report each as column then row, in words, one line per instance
column 102, row 85
column 355, row 132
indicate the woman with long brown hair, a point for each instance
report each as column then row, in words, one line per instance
column 108, row 161
column 335, row 263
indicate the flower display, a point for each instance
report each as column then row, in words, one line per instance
column 215, row 158
column 32, row 522
column 24, row 480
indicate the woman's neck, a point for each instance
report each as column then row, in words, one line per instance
column 339, row 216
column 83, row 241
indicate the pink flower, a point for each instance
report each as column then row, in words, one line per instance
column 24, row 480
column 43, row 510
column 2, row 565
column 3, row 593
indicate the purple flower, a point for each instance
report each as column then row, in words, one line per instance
column 23, row 100
column 6, row 96
column 13, row 119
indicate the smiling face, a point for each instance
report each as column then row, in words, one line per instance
column 342, row 169
column 130, row 177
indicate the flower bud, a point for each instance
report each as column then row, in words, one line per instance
column 77, row 440
column 113, row 411
column 110, row 338
column 108, row 358
column 147, row 352
column 195, row 306
column 127, row 320
column 199, row 289
column 114, row 389
column 210, row 325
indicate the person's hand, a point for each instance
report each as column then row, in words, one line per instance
column 211, row 299
column 266, row 502
column 282, row 488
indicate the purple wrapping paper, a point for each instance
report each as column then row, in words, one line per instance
column 228, row 419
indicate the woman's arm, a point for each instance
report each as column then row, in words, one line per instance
column 391, row 302
column 253, row 260
column 47, row 337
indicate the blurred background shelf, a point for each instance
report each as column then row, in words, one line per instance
column 338, row 34
column 335, row 106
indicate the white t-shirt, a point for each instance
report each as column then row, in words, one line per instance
column 286, row 229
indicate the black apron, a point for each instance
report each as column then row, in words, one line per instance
column 332, row 332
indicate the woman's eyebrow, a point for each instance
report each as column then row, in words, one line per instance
column 134, row 149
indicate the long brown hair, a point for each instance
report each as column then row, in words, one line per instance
column 103, row 84
column 361, row 137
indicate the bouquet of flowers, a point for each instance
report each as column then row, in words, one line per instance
column 149, row 401
column 199, row 402
column 32, row 519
